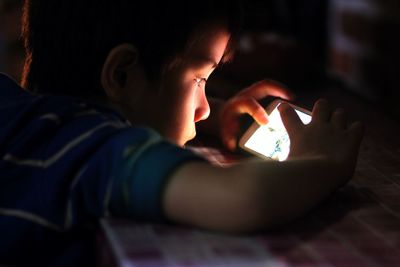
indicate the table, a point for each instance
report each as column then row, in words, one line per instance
column 359, row 225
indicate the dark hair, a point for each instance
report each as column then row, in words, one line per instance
column 67, row 41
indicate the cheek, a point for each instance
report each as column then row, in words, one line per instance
column 178, row 103
column 179, row 98
column 185, row 107
column 184, row 95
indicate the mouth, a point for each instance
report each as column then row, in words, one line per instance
column 193, row 135
column 189, row 137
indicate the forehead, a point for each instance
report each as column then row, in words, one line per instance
column 208, row 44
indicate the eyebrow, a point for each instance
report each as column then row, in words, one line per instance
column 212, row 62
column 208, row 61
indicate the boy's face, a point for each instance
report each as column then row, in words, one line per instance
column 182, row 101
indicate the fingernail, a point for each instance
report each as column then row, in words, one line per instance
column 231, row 144
column 265, row 119
column 282, row 106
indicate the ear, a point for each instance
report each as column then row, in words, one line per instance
column 117, row 67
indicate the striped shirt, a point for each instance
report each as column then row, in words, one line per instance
column 65, row 163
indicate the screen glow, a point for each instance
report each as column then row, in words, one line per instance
column 272, row 139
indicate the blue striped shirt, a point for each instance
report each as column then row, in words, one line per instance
column 64, row 164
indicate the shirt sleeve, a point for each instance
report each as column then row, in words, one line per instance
column 143, row 161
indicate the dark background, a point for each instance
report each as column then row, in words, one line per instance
column 306, row 44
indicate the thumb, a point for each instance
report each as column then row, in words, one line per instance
column 290, row 119
column 357, row 132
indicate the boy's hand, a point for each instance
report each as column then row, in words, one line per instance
column 328, row 135
column 246, row 101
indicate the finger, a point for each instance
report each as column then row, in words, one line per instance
column 356, row 131
column 321, row 111
column 230, row 143
column 228, row 134
column 290, row 119
column 339, row 119
column 265, row 88
column 250, row 106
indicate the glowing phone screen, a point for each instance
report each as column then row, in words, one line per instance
column 272, row 139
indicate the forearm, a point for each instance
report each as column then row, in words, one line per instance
column 248, row 196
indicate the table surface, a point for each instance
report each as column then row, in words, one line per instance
column 359, row 225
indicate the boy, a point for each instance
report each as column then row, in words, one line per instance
column 116, row 88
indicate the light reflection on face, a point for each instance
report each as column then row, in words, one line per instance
column 182, row 98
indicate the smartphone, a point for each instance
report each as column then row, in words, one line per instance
column 271, row 141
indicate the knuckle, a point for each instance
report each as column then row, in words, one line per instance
column 340, row 111
column 322, row 102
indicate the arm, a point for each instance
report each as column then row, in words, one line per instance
column 260, row 194
column 248, row 196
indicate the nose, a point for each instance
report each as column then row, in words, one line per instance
column 203, row 108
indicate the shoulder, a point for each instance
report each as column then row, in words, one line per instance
column 9, row 87
column 50, row 129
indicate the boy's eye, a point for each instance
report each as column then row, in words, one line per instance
column 201, row 81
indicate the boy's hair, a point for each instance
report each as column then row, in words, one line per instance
column 67, row 41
